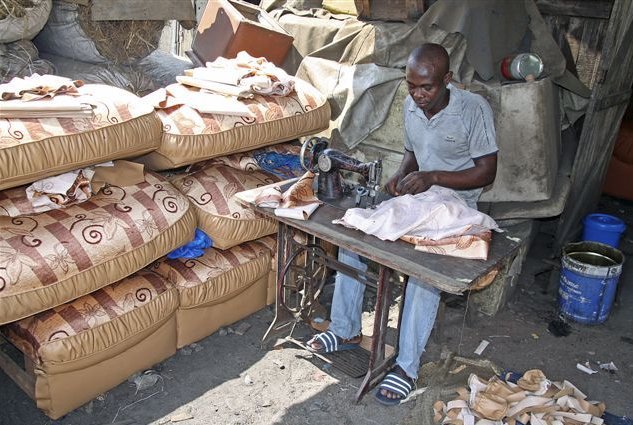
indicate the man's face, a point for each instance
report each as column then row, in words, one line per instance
column 426, row 87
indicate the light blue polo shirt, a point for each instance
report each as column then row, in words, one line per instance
column 452, row 138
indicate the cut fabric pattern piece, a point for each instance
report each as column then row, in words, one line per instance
column 300, row 193
column 38, row 87
column 535, row 400
column 473, row 247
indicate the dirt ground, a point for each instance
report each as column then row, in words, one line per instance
column 228, row 379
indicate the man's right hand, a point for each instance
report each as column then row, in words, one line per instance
column 392, row 183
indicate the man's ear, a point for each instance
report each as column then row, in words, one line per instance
column 448, row 77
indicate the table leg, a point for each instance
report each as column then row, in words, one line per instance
column 378, row 365
column 283, row 318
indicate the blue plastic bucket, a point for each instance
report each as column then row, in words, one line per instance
column 588, row 281
column 603, row 228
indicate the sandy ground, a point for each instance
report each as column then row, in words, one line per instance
column 228, row 379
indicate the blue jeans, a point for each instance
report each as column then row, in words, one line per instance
column 418, row 315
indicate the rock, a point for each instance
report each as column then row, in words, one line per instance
column 222, row 332
column 242, row 328
column 185, row 416
column 248, row 380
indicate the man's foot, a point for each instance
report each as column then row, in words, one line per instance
column 395, row 387
column 328, row 342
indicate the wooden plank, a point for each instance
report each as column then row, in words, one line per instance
column 142, row 10
column 600, row 9
column 23, row 379
column 449, row 274
column 613, row 100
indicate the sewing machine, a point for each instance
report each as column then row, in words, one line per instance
column 331, row 187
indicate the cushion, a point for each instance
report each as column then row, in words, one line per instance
column 53, row 257
column 220, row 215
column 85, row 347
column 281, row 160
column 219, row 288
column 191, row 137
column 31, row 149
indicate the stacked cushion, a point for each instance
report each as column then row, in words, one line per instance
column 221, row 287
column 190, row 136
column 53, row 257
column 31, row 149
column 83, row 348
column 220, row 215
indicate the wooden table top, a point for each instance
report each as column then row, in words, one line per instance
column 450, row 274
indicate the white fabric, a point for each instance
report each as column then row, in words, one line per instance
column 435, row 214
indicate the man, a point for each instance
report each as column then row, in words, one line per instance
column 450, row 142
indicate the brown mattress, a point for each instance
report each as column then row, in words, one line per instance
column 189, row 136
column 72, row 345
column 31, row 149
column 219, row 288
column 227, row 222
column 53, row 257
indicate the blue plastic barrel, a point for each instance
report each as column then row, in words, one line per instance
column 588, row 281
column 603, row 228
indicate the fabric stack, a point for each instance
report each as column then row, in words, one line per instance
column 87, row 293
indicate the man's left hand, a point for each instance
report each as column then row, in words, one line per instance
column 415, row 182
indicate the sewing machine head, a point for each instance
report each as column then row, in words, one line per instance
column 327, row 163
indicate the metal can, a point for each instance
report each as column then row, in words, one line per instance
column 519, row 67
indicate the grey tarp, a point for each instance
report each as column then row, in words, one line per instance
column 476, row 38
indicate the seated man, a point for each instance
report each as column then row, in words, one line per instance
column 449, row 141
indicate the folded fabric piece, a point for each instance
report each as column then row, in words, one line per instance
column 193, row 249
column 473, row 247
column 38, row 87
column 58, row 107
column 300, row 193
column 437, row 221
column 78, row 186
column 435, row 214
column 270, row 197
column 302, row 212
column 256, row 75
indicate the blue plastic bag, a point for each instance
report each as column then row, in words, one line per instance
column 193, row 249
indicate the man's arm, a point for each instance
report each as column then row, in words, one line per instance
column 408, row 165
column 482, row 174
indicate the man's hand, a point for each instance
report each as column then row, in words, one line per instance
column 392, row 183
column 415, row 182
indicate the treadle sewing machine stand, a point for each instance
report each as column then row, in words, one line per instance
column 299, row 287
column 302, row 266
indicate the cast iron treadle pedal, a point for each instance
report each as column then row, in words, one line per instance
column 350, row 362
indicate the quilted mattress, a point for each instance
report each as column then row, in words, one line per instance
column 53, row 257
column 189, row 136
column 219, row 288
column 220, row 215
column 31, row 149
column 85, row 347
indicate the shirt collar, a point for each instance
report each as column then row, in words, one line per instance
column 452, row 108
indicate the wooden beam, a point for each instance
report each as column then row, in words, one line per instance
column 23, row 379
column 599, row 9
column 613, row 100
column 142, row 10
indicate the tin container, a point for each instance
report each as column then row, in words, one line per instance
column 519, row 67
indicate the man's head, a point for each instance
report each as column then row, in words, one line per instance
column 427, row 76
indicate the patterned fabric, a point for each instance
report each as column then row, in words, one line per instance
column 34, row 148
column 58, row 246
column 190, row 136
column 85, row 313
column 183, row 120
column 190, row 273
column 281, row 159
column 112, row 106
column 474, row 247
column 220, row 215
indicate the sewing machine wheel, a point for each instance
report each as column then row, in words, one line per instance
column 310, row 151
column 303, row 279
